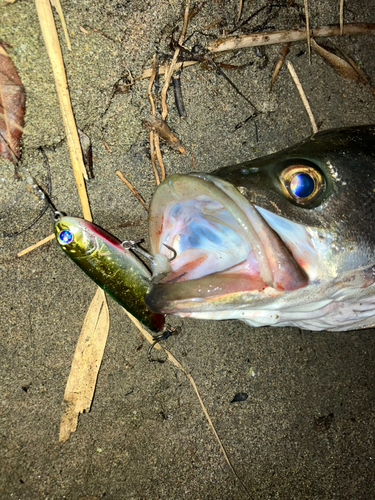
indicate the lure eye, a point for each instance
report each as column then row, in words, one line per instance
column 302, row 183
column 65, row 237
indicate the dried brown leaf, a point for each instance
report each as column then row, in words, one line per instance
column 342, row 67
column 12, row 108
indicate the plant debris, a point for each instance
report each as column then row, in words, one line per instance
column 345, row 67
column 12, row 108
column 178, row 94
column 284, row 52
column 284, row 36
column 302, row 94
column 132, row 189
column 86, row 147
column 161, row 128
column 87, row 359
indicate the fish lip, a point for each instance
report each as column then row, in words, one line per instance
column 175, row 293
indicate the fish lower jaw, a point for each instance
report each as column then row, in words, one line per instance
column 332, row 316
column 340, row 304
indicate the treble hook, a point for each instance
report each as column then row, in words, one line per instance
column 163, row 336
column 159, row 263
column 172, row 250
column 134, row 245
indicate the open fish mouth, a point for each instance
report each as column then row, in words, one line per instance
column 228, row 249
column 283, row 240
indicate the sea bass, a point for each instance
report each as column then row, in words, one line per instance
column 285, row 240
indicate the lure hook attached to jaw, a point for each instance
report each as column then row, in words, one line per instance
column 160, row 264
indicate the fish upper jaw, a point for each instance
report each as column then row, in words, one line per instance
column 227, row 253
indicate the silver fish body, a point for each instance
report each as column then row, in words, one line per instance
column 285, row 240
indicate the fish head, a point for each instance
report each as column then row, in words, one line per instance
column 286, row 239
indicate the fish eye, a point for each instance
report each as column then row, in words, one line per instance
column 65, row 237
column 302, row 183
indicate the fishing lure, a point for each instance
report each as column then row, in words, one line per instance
column 112, row 266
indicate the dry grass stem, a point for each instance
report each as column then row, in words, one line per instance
column 159, row 157
column 57, row 5
column 36, row 245
column 91, row 343
column 171, row 67
column 285, row 36
column 152, row 156
column 150, row 84
column 163, row 68
column 132, row 189
column 283, row 54
column 155, row 137
column 178, row 365
column 193, row 161
column 240, row 3
column 51, row 41
column 302, row 94
column 307, row 30
column 106, row 145
column 270, row 38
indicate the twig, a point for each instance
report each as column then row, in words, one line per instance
column 271, row 38
column 160, row 127
column 152, row 155
column 303, row 96
column 150, row 84
column 57, row 5
column 364, row 79
column 239, row 11
column 307, row 30
column 283, row 54
column 163, row 68
column 264, row 38
column 154, row 138
column 51, row 41
column 106, row 145
column 33, row 247
column 171, row 68
column 159, row 156
column 132, row 189
column 193, row 161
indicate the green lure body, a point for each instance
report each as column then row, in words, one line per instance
column 116, row 270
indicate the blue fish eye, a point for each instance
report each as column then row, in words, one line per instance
column 302, row 185
column 65, row 237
